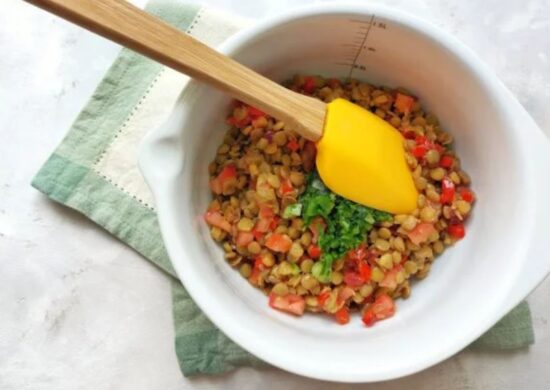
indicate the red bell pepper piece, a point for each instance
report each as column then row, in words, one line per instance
column 447, row 191
column 342, row 316
column 314, row 251
column 466, row 194
column 446, row 161
column 456, row 230
column 309, row 84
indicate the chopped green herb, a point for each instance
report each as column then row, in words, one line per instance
column 317, row 200
column 347, row 223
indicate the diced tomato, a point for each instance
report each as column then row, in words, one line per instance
column 258, row 263
column 382, row 308
column 231, row 121
column 214, row 218
column 390, row 279
column 309, row 84
column 290, row 303
column 422, row 140
column 286, row 187
column 254, row 276
column 314, row 251
column 421, row 233
column 358, row 253
column 258, row 235
column 256, row 270
column 446, row 161
column 228, row 172
column 274, row 222
column 244, row 238
column 361, row 272
column 419, row 151
column 447, row 191
column 242, row 123
column 372, row 253
column 322, row 298
column 227, row 176
column 216, row 186
column 266, row 212
column 368, row 254
column 456, row 230
column 278, row 242
column 252, row 113
column 309, row 152
column 438, row 147
column 265, row 221
column 364, row 271
column 345, row 293
column 262, row 226
column 466, row 194
column 255, row 113
column 353, row 279
column 293, row 145
column 342, row 316
column 404, row 103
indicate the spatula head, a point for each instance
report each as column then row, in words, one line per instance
column 361, row 157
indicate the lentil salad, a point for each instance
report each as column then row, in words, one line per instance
column 310, row 250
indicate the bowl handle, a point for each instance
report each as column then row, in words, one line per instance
column 161, row 154
column 537, row 266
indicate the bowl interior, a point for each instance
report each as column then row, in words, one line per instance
column 460, row 297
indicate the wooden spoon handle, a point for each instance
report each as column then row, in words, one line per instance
column 129, row 26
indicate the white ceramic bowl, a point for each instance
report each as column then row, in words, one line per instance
column 471, row 286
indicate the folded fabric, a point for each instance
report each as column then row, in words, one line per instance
column 94, row 170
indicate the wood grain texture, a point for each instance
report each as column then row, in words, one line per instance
column 135, row 29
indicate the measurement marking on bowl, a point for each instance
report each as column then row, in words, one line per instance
column 354, row 49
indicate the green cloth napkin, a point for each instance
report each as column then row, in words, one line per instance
column 94, row 171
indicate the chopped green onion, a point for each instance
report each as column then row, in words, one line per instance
column 292, row 210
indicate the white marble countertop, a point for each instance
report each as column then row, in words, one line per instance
column 79, row 310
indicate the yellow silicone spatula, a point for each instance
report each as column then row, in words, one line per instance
column 360, row 156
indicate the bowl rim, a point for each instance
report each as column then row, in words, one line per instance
column 461, row 53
